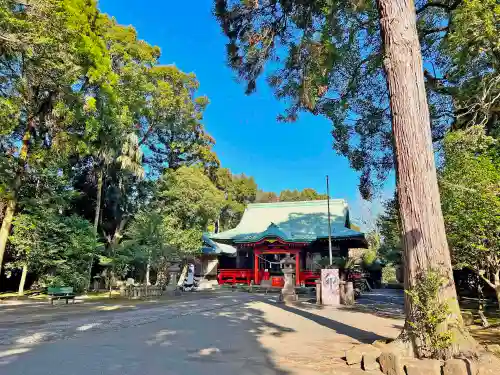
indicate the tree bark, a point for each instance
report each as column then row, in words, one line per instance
column 148, row 270
column 496, row 279
column 6, row 226
column 98, row 200
column 20, row 292
column 424, row 237
column 12, row 200
column 97, row 215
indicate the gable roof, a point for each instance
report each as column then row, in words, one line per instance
column 304, row 221
column 212, row 247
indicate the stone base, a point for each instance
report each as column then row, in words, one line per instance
column 207, row 284
column 173, row 292
column 285, row 298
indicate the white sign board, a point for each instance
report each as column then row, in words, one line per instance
column 330, row 287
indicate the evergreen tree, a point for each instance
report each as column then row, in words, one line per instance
column 360, row 65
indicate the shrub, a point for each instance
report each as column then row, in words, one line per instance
column 429, row 314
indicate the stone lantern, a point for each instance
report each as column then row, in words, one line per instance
column 173, row 271
column 288, row 292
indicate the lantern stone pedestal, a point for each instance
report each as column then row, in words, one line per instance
column 173, row 272
column 288, row 292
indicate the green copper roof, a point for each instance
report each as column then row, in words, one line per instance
column 291, row 221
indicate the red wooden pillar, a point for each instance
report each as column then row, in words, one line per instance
column 256, row 267
column 297, row 268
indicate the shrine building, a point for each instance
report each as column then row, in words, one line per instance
column 269, row 231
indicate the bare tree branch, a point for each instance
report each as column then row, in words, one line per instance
column 436, row 4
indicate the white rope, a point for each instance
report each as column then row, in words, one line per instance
column 270, row 262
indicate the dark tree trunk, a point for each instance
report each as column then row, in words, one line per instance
column 97, row 213
column 16, row 186
column 424, row 236
column 22, row 282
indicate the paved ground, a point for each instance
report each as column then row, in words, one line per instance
column 232, row 333
column 383, row 302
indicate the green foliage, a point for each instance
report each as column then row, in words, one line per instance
column 81, row 98
column 389, row 275
column 188, row 201
column 429, row 315
column 56, row 247
column 470, row 192
column 473, row 48
column 266, row 197
column 172, row 132
column 325, row 57
column 238, row 191
column 369, row 258
column 389, row 227
column 307, row 194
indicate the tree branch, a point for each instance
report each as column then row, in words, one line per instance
column 435, row 30
column 481, row 275
column 435, row 4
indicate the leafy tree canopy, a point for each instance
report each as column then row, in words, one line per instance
column 471, row 201
column 325, row 57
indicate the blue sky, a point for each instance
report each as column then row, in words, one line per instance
column 249, row 139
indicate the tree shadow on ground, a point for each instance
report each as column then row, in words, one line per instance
column 486, row 336
column 339, row 327
column 218, row 339
column 380, row 310
column 230, row 340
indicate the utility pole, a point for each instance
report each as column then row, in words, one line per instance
column 329, row 222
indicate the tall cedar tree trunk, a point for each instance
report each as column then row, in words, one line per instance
column 148, row 271
column 98, row 199
column 97, row 215
column 424, row 237
column 22, row 282
column 16, row 186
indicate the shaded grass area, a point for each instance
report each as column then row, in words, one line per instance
column 485, row 336
column 101, row 295
column 28, row 294
column 41, row 295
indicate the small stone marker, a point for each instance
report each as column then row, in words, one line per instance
column 330, row 287
column 422, row 366
column 370, row 362
column 391, row 363
column 455, row 367
column 356, row 353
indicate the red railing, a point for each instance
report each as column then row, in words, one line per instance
column 246, row 276
column 235, row 276
column 309, row 277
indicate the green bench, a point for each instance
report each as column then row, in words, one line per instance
column 65, row 292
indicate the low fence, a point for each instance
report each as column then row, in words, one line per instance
column 141, row 291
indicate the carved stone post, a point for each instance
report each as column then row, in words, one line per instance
column 173, row 271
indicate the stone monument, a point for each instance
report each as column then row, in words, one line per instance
column 173, row 272
column 330, row 287
column 288, row 292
